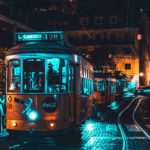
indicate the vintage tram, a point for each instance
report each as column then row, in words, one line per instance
column 49, row 87
column 104, row 88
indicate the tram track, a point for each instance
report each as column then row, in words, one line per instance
column 123, row 126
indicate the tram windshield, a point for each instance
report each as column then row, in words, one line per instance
column 33, row 75
column 39, row 75
column 35, row 80
column 14, row 75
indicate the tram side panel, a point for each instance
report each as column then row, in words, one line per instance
column 84, row 101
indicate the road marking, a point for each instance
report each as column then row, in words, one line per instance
column 18, row 145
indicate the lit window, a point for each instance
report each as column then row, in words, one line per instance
column 127, row 66
column 113, row 19
column 98, row 20
column 139, row 37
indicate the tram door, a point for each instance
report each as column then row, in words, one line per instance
column 73, row 90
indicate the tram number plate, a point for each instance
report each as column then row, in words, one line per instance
column 9, row 106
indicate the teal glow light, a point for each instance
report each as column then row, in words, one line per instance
column 33, row 115
column 17, row 71
column 28, row 37
column 89, row 127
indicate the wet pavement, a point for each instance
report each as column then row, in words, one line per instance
column 101, row 132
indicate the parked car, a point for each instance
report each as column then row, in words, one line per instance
column 142, row 90
column 146, row 91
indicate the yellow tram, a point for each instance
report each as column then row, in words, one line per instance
column 49, row 87
column 104, row 88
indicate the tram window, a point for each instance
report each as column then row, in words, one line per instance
column 14, row 75
column 87, row 86
column 113, row 87
column 91, row 87
column 33, row 75
column 101, row 85
column 71, row 78
column 57, row 75
column 95, row 86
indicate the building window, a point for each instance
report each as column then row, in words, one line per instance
column 98, row 20
column 84, row 37
column 127, row 66
column 112, row 37
column 113, row 19
column 71, row 38
column 98, row 37
column 127, row 36
column 127, row 51
column 84, row 20
column 113, row 50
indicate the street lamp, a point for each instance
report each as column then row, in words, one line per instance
column 141, row 74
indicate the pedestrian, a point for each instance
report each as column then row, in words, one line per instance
column 2, row 105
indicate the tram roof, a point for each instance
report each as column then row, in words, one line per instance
column 41, row 47
column 103, row 75
column 41, row 42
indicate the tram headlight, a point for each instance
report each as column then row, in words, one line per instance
column 14, row 124
column 33, row 115
column 52, row 124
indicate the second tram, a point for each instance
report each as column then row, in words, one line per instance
column 49, row 87
column 104, row 88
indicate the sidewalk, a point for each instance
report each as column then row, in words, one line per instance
column 3, row 135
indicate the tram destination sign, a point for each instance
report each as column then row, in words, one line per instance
column 38, row 36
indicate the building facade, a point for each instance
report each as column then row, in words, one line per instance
column 106, row 32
